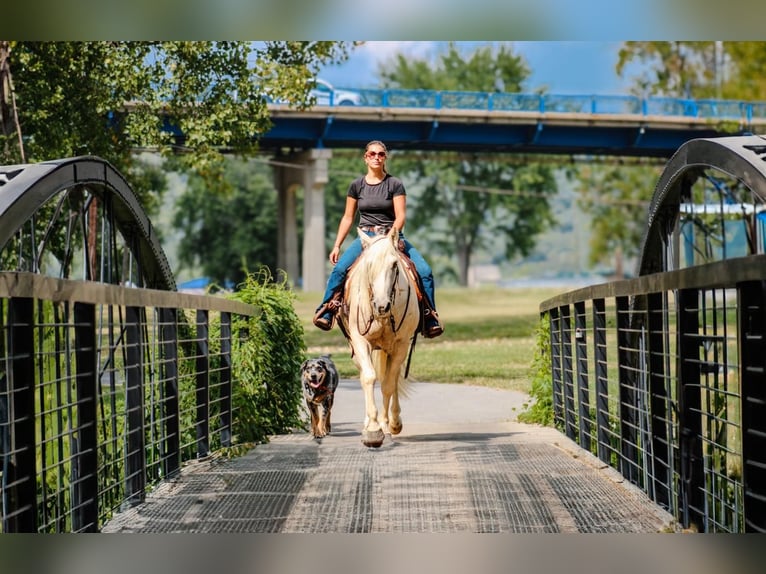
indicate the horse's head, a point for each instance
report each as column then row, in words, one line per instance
column 381, row 265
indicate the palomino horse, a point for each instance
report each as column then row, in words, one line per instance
column 380, row 317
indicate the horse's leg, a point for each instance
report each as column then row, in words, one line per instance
column 397, row 363
column 372, row 434
column 395, row 373
column 386, row 389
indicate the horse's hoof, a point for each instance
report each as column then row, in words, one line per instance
column 372, row 439
column 395, row 429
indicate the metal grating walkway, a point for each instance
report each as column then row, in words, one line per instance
column 476, row 475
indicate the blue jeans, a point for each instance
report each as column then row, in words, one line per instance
column 338, row 274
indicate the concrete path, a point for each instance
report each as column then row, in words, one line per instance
column 461, row 464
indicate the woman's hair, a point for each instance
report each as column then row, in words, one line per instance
column 375, row 142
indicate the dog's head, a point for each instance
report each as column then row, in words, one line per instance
column 317, row 375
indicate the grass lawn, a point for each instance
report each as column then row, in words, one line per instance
column 489, row 337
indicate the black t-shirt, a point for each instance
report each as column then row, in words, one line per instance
column 376, row 202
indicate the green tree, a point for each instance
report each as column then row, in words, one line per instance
column 229, row 229
column 730, row 70
column 463, row 204
column 743, row 65
column 617, row 199
column 673, row 69
column 111, row 98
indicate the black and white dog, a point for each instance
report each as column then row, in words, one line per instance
column 320, row 379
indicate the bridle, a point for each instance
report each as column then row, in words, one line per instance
column 392, row 300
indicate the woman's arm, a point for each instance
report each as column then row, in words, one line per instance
column 343, row 228
column 400, row 211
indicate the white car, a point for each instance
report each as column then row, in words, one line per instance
column 327, row 95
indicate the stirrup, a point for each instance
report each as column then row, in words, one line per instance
column 432, row 326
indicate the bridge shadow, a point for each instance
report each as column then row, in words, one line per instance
column 348, row 431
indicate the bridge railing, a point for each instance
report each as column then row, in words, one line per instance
column 663, row 378
column 713, row 109
column 104, row 392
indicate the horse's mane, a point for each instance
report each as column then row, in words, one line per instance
column 381, row 245
column 371, row 259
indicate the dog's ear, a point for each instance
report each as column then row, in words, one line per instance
column 304, row 365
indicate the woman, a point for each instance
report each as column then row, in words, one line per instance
column 382, row 204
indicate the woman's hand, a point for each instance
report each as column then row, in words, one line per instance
column 334, row 254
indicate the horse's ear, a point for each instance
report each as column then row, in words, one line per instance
column 394, row 235
column 366, row 239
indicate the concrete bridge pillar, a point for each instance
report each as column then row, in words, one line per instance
column 307, row 170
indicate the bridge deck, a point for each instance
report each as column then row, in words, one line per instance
column 461, row 464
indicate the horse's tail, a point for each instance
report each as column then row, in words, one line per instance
column 382, row 364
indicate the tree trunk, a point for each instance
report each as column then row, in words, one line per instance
column 463, row 263
column 9, row 119
column 619, row 270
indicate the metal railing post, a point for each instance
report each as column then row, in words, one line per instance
column 567, row 374
column 135, row 460
column 752, row 337
column 691, row 471
column 171, row 459
column 19, row 470
column 558, row 392
column 602, row 380
column 226, row 382
column 202, row 370
column 627, row 392
column 660, row 417
column 583, row 386
column 85, row 506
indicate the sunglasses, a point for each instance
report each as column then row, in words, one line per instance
column 380, row 154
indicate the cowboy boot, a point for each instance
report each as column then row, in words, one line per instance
column 432, row 326
column 325, row 315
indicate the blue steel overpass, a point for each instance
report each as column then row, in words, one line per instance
column 478, row 122
column 512, row 123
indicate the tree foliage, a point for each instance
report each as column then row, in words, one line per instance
column 110, row 98
column 700, row 70
column 464, row 204
column 229, row 228
column 743, row 76
column 617, row 199
column 268, row 396
column 677, row 69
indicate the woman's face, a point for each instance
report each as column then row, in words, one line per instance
column 375, row 156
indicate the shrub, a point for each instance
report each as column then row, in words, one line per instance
column 541, row 408
column 267, row 396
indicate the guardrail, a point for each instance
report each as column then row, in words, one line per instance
column 104, row 392
column 724, row 110
column 663, row 377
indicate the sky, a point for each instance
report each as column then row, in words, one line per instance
column 563, row 67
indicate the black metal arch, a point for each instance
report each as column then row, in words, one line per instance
column 25, row 188
column 741, row 157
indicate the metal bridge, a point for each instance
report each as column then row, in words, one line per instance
column 110, row 381
column 512, row 122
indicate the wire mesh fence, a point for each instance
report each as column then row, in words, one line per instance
column 105, row 391
column 662, row 378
